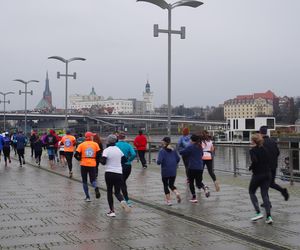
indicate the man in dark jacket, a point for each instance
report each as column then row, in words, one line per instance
column 273, row 151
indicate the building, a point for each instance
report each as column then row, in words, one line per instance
column 85, row 101
column 250, row 106
column 148, row 99
column 46, row 102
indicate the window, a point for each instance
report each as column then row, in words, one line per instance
column 250, row 123
column 270, row 123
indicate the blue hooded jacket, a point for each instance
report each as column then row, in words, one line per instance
column 194, row 153
column 168, row 159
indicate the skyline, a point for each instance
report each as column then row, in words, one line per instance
column 248, row 46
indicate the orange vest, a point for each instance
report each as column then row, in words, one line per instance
column 88, row 150
column 69, row 142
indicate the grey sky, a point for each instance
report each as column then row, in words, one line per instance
column 232, row 47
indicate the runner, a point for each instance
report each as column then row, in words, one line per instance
column 32, row 139
column 50, row 141
column 69, row 143
column 6, row 148
column 88, row 153
column 61, row 150
column 21, row 141
column 1, row 145
column 140, row 142
column 14, row 142
column 97, row 139
column 113, row 158
column 183, row 142
column 38, row 149
column 130, row 154
column 168, row 159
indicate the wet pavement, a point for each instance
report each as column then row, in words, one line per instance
column 41, row 208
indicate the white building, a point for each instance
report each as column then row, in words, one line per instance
column 119, row 106
column 85, row 101
column 148, row 99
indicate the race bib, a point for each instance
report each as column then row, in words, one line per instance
column 89, row 153
column 68, row 143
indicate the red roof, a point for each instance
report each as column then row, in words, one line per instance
column 267, row 95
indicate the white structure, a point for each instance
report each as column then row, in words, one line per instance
column 85, row 101
column 241, row 129
column 148, row 99
column 119, row 106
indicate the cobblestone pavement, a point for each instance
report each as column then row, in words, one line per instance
column 41, row 210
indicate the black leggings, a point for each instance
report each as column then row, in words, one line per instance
column 209, row 165
column 169, row 183
column 262, row 181
column 69, row 156
column 195, row 175
column 113, row 180
column 38, row 155
column 141, row 154
column 6, row 153
column 21, row 154
column 185, row 160
column 273, row 184
column 126, row 173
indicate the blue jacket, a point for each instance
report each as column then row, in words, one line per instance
column 1, row 142
column 21, row 141
column 127, row 150
column 6, row 142
column 194, row 153
column 183, row 142
column 168, row 159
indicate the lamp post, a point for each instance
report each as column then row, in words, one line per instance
column 164, row 5
column 4, row 102
column 59, row 58
column 25, row 93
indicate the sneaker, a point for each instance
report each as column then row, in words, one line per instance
column 145, row 167
column 178, row 198
column 97, row 193
column 23, row 161
column 257, row 217
column 70, row 174
column 193, row 200
column 285, row 194
column 129, row 203
column 125, row 206
column 206, row 191
column 169, row 203
column 57, row 160
column 111, row 214
column 39, row 164
column 269, row 220
column 217, row 186
column 87, row 199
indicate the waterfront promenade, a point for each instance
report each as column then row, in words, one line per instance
column 41, row 208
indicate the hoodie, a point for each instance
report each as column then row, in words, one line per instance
column 168, row 159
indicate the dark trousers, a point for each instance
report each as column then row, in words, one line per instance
column 185, row 160
column 273, row 184
column 262, row 181
column 6, row 153
column 141, row 154
column 210, row 168
column 195, row 175
column 126, row 173
column 69, row 157
column 32, row 149
column 169, row 183
column 113, row 181
column 21, row 154
column 38, row 155
column 85, row 171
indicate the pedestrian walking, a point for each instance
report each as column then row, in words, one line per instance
column 183, row 142
column 38, row 149
column 97, row 139
column 261, row 177
column 168, row 159
column 21, row 142
column 69, row 143
column 88, row 153
column 195, row 168
column 130, row 154
column 208, row 152
column 274, row 152
column 6, row 148
column 140, row 142
column 112, row 158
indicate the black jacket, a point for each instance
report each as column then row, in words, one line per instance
column 273, row 150
column 260, row 163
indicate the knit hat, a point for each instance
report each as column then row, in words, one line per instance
column 111, row 139
column 167, row 140
column 263, row 130
column 185, row 131
column 195, row 138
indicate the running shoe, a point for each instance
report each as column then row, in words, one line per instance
column 169, row 203
column 217, row 186
column 125, row 206
column 97, row 192
column 206, row 191
column 70, row 174
column 257, row 217
column 87, row 199
column 178, row 198
column 129, row 203
column 24, row 161
column 193, row 200
column 285, row 194
column 111, row 214
column 269, row 220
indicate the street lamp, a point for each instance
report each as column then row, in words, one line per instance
column 164, row 5
column 66, row 75
column 25, row 92
column 4, row 101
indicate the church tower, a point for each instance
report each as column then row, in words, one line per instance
column 148, row 98
column 47, row 95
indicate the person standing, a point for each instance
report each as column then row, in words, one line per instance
column 208, row 151
column 69, row 143
column 195, row 168
column 6, row 148
column 183, row 142
column 274, row 152
column 261, row 177
column 168, row 159
column 88, row 153
column 140, row 142
column 130, row 154
column 113, row 158
column 21, row 142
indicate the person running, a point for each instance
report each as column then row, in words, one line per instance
column 261, row 177
column 62, row 157
column 21, row 141
column 50, row 141
column 274, row 152
column 97, row 139
column 140, row 142
column 57, row 139
column 130, row 154
column 69, row 143
column 88, row 153
column 6, row 148
column 168, row 159
column 112, row 158
column 38, row 149
column 32, row 139
column 195, row 168
column 183, row 142
column 208, row 151
column 14, row 142
column 1, row 145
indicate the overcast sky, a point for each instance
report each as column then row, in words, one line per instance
column 232, row 47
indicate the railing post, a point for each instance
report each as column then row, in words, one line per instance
column 149, row 150
column 234, row 162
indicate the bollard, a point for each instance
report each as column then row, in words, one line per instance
column 234, row 162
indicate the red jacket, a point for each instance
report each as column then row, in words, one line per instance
column 140, row 142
